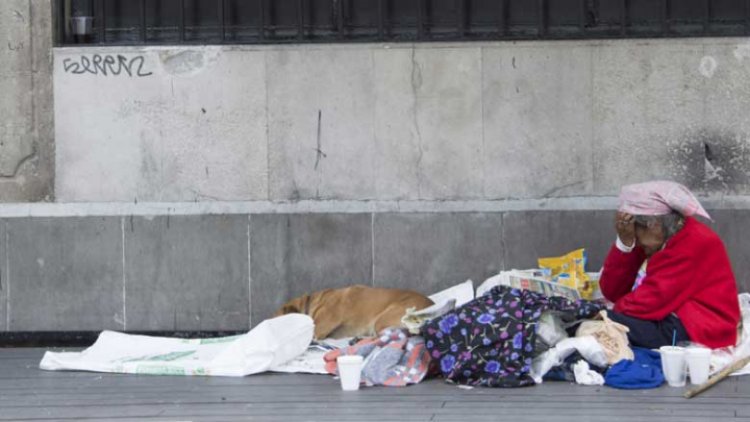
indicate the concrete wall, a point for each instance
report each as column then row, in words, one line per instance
column 226, row 272
column 401, row 122
column 26, row 125
column 213, row 183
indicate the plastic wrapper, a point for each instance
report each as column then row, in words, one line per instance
column 611, row 335
column 550, row 329
column 570, row 270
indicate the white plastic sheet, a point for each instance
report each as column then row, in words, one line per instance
column 720, row 358
column 500, row 279
column 271, row 344
column 444, row 301
column 462, row 293
column 550, row 328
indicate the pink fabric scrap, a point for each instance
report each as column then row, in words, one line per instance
column 659, row 198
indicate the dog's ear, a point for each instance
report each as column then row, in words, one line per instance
column 287, row 309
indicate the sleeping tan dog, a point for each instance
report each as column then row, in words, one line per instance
column 356, row 311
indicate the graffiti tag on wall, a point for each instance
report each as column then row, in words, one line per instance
column 107, row 65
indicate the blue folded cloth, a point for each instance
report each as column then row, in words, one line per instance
column 644, row 371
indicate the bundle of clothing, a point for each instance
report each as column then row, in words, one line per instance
column 507, row 337
column 512, row 337
column 491, row 340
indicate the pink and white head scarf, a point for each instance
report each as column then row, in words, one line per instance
column 659, row 198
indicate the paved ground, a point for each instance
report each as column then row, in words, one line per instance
column 27, row 393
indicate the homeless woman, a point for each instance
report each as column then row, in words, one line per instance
column 668, row 274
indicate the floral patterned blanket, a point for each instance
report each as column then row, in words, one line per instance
column 490, row 340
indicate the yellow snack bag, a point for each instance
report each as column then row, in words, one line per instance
column 570, row 270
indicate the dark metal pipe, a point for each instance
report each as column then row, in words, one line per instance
column 339, row 19
column 706, row 16
column 502, row 23
column 222, row 20
column 582, row 16
column 420, row 19
column 261, row 21
column 381, row 16
column 181, row 22
column 101, row 21
column 143, row 21
column 300, row 20
column 59, row 15
column 542, row 15
column 460, row 18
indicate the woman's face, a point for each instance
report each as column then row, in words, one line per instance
column 649, row 236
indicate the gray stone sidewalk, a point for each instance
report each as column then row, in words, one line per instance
column 27, row 393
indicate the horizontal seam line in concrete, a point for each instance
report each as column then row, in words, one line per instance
column 90, row 209
column 727, row 40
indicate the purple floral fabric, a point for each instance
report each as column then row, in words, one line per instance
column 490, row 340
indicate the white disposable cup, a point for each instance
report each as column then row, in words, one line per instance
column 350, row 371
column 699, row 363
column 674, row 365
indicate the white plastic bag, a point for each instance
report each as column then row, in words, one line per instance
column 500, row 279
column 461, row 293
column 612, row 336
column 587, row 346
column 585, row 376
column 550, row 328
column 272, row 343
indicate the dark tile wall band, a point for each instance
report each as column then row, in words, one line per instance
column 218, row 273
column 530, row 235
column 4, row 276
column 186, row 273
column 65, row 273
column 293, row 254
column 430, row 252
column 733, row 226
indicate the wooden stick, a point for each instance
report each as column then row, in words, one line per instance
column 736, row 365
